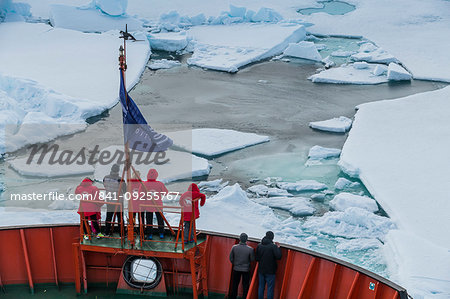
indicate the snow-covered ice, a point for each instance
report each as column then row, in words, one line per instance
column 227, row 48
column 318, row 152
column 349, row 74
column 297, row 206
column 303, row 49
column 212, row 186
column 343, row 183
column 352, row 223
column 342, row 53
column 410, row 30
column 180, row 165
column 47, row 169
column 339, row 125
column 358, row 244
column 90, row 19
column 345, row 200
column 113, row 8
column 163, row 64
column 397, row 73
column 303, row 185
column 212, row 142
column 398, row 149
column 67, row 83
column 380, row 70
column 263, row 190
column 168, row 41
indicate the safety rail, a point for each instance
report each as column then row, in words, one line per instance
column 118, row 212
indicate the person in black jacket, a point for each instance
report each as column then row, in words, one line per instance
column 112, row 182
column 241, row 256
column 267, row 254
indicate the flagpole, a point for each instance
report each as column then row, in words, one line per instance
column 130, row 226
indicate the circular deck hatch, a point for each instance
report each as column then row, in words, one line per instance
column 142, row 272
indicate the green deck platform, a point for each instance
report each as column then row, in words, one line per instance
column 160, row 245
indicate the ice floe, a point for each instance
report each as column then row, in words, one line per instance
column 318, row 152
column 349, row 74
column 397, row 73
column 297, row 206
column 303, row 49
column 227, row 48
column 342, row 53
column 168, row 41
column 358, row 244
column 339, row 125
column 179, row 165
column 48, row 90
column 163, row 64
column 50, row 168
column 90, row 19
column 112, row 7
column 406, row 172
column 343, row 183
column 212, row 186
column 303, row 185
column 263, row 190
column 344, row 200
column 352, row 223
column 213, row 142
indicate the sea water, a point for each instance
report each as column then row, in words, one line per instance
column 329, row 7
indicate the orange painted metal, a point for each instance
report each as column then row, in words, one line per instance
column 53, row 256
column 27, row 260
column 306, row 281
column 76, row 261
column 329, row 278
column 287, row 272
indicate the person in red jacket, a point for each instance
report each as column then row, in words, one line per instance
column 186, row 199
column 90, row 210
column 155, row 191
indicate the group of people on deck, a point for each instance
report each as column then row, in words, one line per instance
column 146, row 197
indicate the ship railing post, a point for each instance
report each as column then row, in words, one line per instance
column 76, row 259
column 27, row 260
column 253, row 284
column 53, row 256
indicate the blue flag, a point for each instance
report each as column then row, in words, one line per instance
column 139, row 135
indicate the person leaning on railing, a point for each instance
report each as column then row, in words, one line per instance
column 91, row 211
column 155, row 191
column 186, row 199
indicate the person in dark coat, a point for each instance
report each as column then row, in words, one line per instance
column 158, row 190
column 267, row 254
column 241, row 256
column 112, row 182
column 186, row 199
column 90, row 210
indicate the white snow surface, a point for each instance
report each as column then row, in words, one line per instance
column 46, row 169
column 212, row 186
column 349, row 74
column 212, row 142
column 112, row 7
column 318, row 152
column 297, row 206
column 345, row 200
column 163, row 64
column 303, row 49
column 90, row 19
column 398, row 149
column 227, row 48
column 181, row 165
column 339, row 124
column 302, row 185
column 49, row 78
column 413, row 31
column 343, row 183
column 168, row 41
column 397, row 73
column 352, row 223
column 263, row 190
